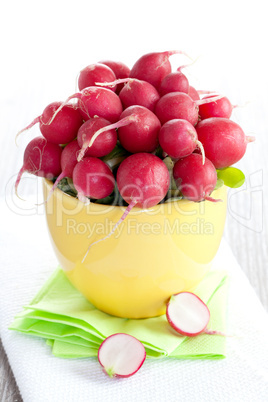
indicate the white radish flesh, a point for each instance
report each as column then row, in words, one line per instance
column 187, row 314
column 121, row 355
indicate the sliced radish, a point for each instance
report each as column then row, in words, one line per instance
column 121, row 355
column 187, row 313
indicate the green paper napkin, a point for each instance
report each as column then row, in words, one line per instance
column 74, row 328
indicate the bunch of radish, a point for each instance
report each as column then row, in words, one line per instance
column 122, row 127
column 135, row 136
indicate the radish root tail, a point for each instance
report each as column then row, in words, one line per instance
column 77, row 95
column 200, row 146
column 114, row 83
column 208, row 100
column 123, row 217
column 35, row 121
column 87, row 144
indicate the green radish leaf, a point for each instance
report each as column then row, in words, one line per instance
column 219, row 184
column 116, row 156
column 231, row 176
column 66, row 185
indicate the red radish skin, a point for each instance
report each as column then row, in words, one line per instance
column 153, row 67
column 68, row 162
column 64, row 127
column 95, row 73
column 41, row 158
column 178, row 138
column 193, row 93
column 93, row 178
column 176, row 105
column 144, row 178
column 120, row 69
column 223, row 140
column 103, row 144
column 194, row 179
column 219, row 108
column 138, row 130
column 90, row 141
column 95, row 101
column 187, row 314
column 121, row 355
column 174, row 82
column 138, row 92
column 142, row 134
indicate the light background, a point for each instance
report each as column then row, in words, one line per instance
column 44, row 45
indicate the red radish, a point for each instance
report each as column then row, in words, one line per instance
column 93, row 178
column 141, row 135
column 95, row 73
column 223, row 140
column 178, row 138
column 153, row 67
column 143, row 178
column 138, row 129
column 174, row 82
column 90, row 140
column 105, row 142
column 137, row 92
column 194, row 179
column 219, row 108
column 120, row 70
column 64, row 127
column 68, row 161
column 95, row 101
column 121, row 355
column 187, row 314
column 193, row 93
column 176, row 105
column 41, row 158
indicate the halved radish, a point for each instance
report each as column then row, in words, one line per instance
column 187, row 314
column 121, row 355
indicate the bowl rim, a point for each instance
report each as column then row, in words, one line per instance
column 100, row 207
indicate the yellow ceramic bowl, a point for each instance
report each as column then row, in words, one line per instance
column 153, row 254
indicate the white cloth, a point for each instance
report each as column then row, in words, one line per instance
column 27, row 260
